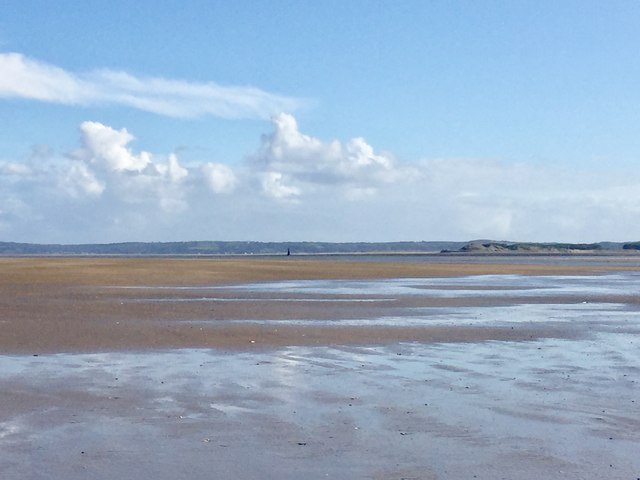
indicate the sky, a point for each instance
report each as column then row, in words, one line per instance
column 357, row 120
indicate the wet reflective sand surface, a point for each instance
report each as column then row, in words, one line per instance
column 415, row 377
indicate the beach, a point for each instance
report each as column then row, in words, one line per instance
column 87, row 304
column 415, row 367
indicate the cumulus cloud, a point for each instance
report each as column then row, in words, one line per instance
column 104, row 146
column 106, row 164
column 294, row 163
column 22, row 77
column 298, row 187
column 79, row 181
column 173, row 170
column 219, row 178
column 273, row 184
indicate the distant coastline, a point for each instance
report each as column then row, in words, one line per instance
column 196, row 248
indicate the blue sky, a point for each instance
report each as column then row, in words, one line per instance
column 333, row 120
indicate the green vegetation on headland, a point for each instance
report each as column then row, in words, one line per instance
column 310, row 248
column 504, row 247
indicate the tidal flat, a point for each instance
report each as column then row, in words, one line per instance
column 320, row 368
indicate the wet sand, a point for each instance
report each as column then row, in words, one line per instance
column 319, row 368
column 87, row 304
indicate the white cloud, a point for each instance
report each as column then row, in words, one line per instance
column 219, row 178
column 22, row 77
column 14, row 169
column 80, row 181
column 274, row 185
column 106, row 165
column 360, row 154
column 105, row 147
column 295, row 163
column 298, row 187
column 174, row 171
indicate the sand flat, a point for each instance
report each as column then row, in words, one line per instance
column 87, row 304
column 319, row 368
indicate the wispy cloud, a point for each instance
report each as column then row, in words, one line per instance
column 22, row 77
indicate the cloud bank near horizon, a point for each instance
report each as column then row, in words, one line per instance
column 26, row 78
column 298, row 187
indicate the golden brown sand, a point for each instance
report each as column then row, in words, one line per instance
column 78, row 304
column 374, row 400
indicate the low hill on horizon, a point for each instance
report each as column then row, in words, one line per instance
column 533, row 248
column 309, row 248
column 225, row 248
